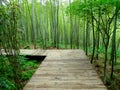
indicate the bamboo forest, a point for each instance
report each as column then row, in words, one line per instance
column 89, row 25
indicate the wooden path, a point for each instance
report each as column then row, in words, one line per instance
column 64, row 70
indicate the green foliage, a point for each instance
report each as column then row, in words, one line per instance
column 117, row 68
column 118, row 53
column 49, row 44
column 6, row 74
column 28, row 68
column 80, row 7
column 46, row 25
column 102, row 14
column 115, row 83
column 5, row 84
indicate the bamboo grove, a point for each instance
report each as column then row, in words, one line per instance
column 56, row 29
column 102, row 18
column 9, row 44
column 92, row 25
column 87, row 24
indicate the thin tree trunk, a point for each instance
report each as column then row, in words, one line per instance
column 33, row 33
column 84, row 33
column 87, row 32
column 98, row 34
column 105, row 63
column 113, row 51
column 93, row 51
column 58, row 33
column 71, row 27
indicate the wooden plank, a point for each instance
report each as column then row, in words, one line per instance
column 65, row 85
column 39, row 52
column 62, row 89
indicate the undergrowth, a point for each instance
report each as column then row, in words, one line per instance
column 6, row 75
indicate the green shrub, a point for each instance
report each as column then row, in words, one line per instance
column 6, row 84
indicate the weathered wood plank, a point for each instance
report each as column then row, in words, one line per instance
column 35, row 88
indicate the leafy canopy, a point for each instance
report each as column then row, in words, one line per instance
column 80, row 7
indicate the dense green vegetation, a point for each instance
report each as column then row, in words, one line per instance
column 92, row 25
column 15, row 70
column 102, row 16
column 9, row 18
column 7, row 75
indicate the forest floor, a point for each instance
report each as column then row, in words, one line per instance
column 110, row 84
column 65, row 70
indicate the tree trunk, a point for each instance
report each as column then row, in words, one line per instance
column 71, row 28
column 113, row 51
column 105, row 63
column 86, row 41
column 93, row 52
column 98, row 34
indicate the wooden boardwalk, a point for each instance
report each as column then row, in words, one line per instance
column 64, row 70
